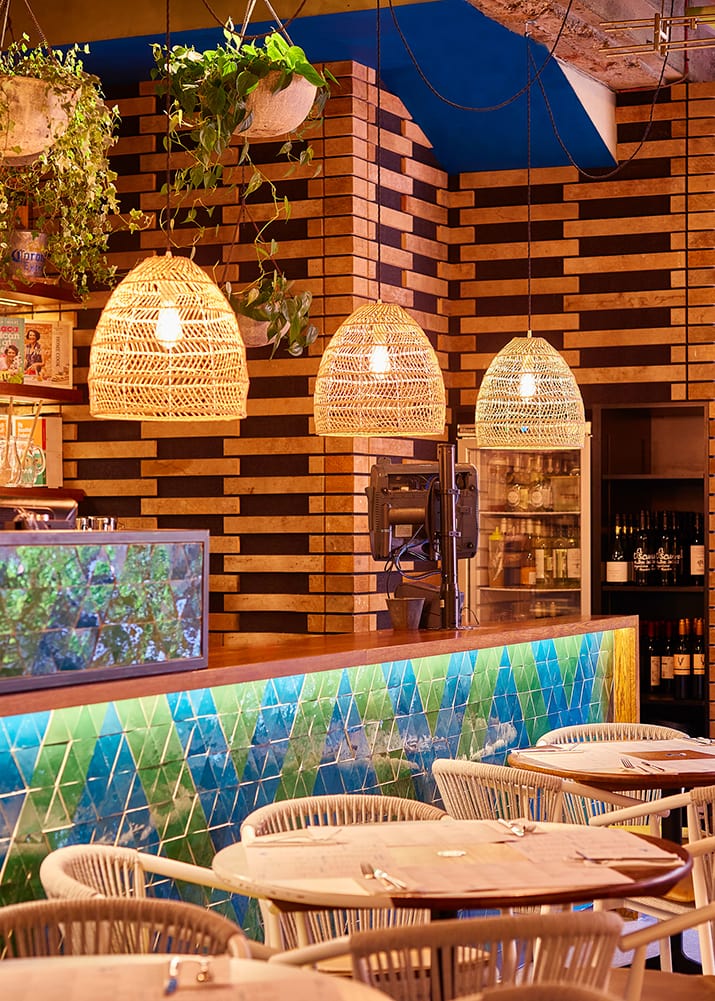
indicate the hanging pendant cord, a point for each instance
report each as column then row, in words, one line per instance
column 167, row 139
column 378, row 148
column 528, row 180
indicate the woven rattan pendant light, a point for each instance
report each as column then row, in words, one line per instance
column 529, row 397
column 379, row 374
column 167, row 346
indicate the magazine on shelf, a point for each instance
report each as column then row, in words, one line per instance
column 12, row 339
column 48, row 353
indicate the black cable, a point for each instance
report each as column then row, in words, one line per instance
column 466, row 107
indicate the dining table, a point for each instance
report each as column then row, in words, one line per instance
column 619, row 765
column 672, row 765
column 157, row 977
column 449, row 865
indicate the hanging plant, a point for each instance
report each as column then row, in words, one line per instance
column 268, row 313
column 68, row 190
column 227, row 90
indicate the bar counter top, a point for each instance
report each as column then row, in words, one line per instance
column 301, row 654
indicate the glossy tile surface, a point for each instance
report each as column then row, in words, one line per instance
column 177, row 773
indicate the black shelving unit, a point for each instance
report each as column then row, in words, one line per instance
column 652, row 458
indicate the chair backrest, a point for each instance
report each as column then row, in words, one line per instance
column 116, row 925
column 609, row 731
column 326, row 811
column 89, row 871
column 541, row 992
column 470, row 955
column 472, row 790
column 287, row 930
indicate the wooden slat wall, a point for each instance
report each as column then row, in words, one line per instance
column 622, row 270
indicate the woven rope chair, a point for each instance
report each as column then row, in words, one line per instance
column 90, row 872
column 116, row 925
column 583, row 732
column 472, row 954
column 286, row 930
column 86, row 871
column 541, row 992
column 472, row 790
column 693, row 892
column 635, row 982
column 609, row 731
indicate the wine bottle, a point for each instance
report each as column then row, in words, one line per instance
column 698, row 661
column 697, row 553
column 665, row 552
column 666, row 659
column 681, row 661
column 560, row 556
column 617, row 564
column 642, row 553
column 651, row 658
column 573, row 555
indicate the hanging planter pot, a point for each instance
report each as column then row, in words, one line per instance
column 272, row 112
column 33, row 115
column 253, row 332
column 267, row 313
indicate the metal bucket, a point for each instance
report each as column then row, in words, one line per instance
column 28, row 252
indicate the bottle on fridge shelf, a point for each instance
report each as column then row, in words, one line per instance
column 495, row 571
column 682, row 661
column 696, row 553
column 543, row 556
column 513, row 543
column 536, row 484
column 547, row 494
column 560, row 557
column 666, row 658
column 617, row 561
column 528, row 561
column 698, row 660
column 573, row 555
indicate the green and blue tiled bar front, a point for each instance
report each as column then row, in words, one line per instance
column 177, row 773
column 74, row 603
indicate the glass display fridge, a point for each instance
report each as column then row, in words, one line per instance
column 534, row 543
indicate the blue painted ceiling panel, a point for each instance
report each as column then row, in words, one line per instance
column 461, row 65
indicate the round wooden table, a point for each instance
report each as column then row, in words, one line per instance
column 657, row 764
column 145, row 978
column 450, row 865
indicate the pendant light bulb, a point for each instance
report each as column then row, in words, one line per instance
column 380, row 365
column 168, row 324
column 527, row 385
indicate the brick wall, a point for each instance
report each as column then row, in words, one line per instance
column 622, row 282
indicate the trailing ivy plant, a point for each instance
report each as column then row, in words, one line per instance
column 68, row 191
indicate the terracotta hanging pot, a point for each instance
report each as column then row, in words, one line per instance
column 277, row 112
column 33, row 114
column 253, row 332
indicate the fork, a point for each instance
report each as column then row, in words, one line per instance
column 641, row 766
column 370, row 871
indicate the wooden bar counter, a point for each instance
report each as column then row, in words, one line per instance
column 307, row 654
